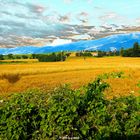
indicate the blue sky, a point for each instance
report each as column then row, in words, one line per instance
column 98, row 12
column 42, row 18
column 89, row 12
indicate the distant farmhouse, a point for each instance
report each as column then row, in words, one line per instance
column 94, row 53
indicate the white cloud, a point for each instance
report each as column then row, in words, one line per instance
column 108, row 16
column 59, row 41
column 112, row 17
column 81, row 37
column 138, row 21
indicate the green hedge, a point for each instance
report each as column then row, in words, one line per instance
column 66, row 113
column 52, row 57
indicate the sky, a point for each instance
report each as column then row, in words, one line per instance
column 40, row 22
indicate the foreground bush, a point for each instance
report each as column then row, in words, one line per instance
column 65, row 113
column 21, row 115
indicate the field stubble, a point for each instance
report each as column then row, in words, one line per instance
column 74, row 71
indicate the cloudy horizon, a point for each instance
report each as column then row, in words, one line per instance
column 44, row 22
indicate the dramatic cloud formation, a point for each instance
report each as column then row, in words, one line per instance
column 42, row 22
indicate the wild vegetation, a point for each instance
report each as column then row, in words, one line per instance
column 83, row 113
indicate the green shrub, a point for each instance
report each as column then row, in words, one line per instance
column 66, row 113
column 21, row 115
column 125, row 116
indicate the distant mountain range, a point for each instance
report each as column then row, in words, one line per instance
column 109, row 43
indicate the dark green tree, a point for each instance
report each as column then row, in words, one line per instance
column 1, row 57
column 131, row 52
column 136, row 49
column 10, row 56
column 122, row 51
column 24, row 56
column 34, row 56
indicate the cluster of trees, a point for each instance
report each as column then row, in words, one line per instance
column 83, row 54
column 110, row 53
column 11, row 56
column 131, row 52
column 99, row 53
column 52, row 57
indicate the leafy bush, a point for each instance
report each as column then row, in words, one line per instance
column 66, row 113
column 21, row 116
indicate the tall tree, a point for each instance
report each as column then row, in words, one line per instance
column 122, row 51
column 136, row 49
column 1, row 57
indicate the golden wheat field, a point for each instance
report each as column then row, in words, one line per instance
column 74, row 71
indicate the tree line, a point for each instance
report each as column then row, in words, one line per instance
column 51, row 57
column 131, row 52
column 12, row 56
column 61, row 56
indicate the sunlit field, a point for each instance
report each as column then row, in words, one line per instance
column 74, row 71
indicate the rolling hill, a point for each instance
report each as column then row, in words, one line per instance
column 109, row 43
